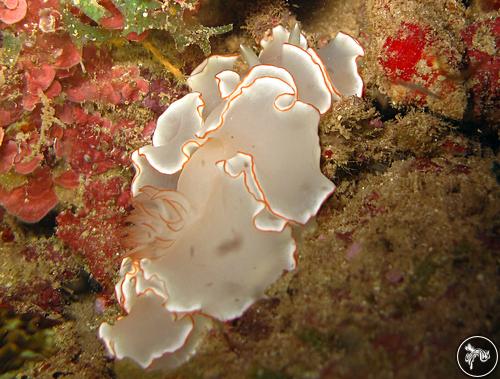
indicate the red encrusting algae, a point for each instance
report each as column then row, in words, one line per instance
column 96, row 230
column 482, row 39
column 33, row 200
column 419, row 65
column 403, row 51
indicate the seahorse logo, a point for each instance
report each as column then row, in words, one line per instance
column 477, row 356
column 473, row 353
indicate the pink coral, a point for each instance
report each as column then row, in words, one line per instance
column 50, row 57
column 8, row 152
column 32, row 20
column 33, row 200
column 68, row 179
column 12, row 11
column 44, row 57
column 118, row 86
column 104, row 82
column 20, row 155
column 10, row 100
column 89, row 145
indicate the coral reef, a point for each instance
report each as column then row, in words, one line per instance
column 60, row 136
column 398, row 267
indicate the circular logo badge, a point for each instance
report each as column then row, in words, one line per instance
column 477, row 356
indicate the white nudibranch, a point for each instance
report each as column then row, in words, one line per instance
column 231, row 167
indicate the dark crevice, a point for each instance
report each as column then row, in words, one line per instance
column 229, row 12
column 94, row 285
column 60, row 374
column 83, row 283
column 495, row 168
column 349, row 172
column 479, row 128
column 386, row 110
column 46, row 227
column 305, row 9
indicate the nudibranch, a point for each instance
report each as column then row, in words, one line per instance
column 231, row 167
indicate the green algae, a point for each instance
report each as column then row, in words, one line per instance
column 11, row 47
column 82, row 33
column 140, row 16
column 91, row 8
column 11, row 180
column 23, row 338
